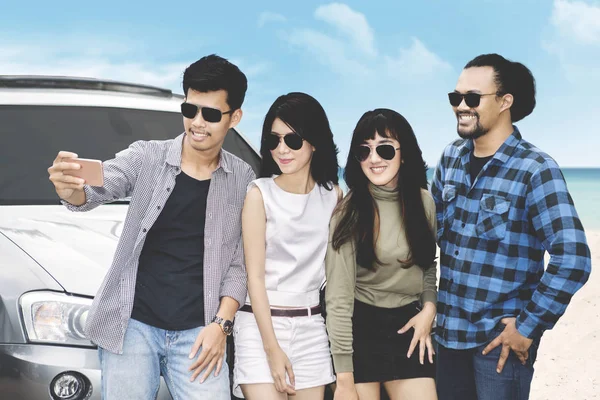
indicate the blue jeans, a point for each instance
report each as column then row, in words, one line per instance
column 469, row 375
column 149, row 352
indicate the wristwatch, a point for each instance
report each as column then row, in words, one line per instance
column 225, row 324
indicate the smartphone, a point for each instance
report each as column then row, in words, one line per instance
column 90, row 171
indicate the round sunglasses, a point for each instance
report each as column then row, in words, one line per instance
column 385, row 151
column 292, row 140
column 209, row 114
column 472, row 100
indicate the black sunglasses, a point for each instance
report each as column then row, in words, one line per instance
column 209, row 114
column 385, row 151
column 472, row 100
column 292, row 140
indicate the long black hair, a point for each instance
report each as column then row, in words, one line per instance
column 358, row 210
column 304, row 115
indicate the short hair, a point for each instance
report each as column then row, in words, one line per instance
column 511, row 78
column 305, row 116
column 212, row 73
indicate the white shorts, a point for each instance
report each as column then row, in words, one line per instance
column 303, row 339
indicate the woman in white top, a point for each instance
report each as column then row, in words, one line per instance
column 281, row 345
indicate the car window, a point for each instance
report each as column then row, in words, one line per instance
column 31, row 136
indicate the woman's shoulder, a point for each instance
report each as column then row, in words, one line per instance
column 331, row 189
column 263, row 180
column 340, row 210
column 260, row 183
column 427, row 197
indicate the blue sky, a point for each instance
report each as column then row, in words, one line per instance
column 352, row 56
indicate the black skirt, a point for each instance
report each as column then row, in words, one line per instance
column 380, row 351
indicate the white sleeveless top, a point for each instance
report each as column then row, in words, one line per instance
column 296, row 242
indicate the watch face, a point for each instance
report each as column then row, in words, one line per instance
column 227, row 326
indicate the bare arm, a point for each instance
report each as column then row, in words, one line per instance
column 254, row 226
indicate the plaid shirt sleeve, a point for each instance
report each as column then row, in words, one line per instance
column 436, row 193
column 560, row 231
column 234, row 281
column 120, row 175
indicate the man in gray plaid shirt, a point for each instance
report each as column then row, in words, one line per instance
column 177, row 279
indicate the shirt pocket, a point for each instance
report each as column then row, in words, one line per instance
column 492, row 220
column 449, row 200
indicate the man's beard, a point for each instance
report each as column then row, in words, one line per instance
column 476, row 133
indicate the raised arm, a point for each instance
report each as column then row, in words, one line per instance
column 120, row 175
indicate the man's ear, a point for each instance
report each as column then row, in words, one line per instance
column 507, row 102
column 236, row 117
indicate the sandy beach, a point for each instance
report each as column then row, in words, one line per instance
column 568, row 364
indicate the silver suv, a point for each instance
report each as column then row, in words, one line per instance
column 52, row 261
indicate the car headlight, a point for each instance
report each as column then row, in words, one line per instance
column 55, row 318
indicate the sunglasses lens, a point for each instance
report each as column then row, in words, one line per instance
column 293, row 141
column 386, row 151
column 271, row 141
column 189, row 110
column 472, row 99
column 455, row 99
column 362, row 153
column 211, row 114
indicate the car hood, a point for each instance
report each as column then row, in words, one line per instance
column 76, row 249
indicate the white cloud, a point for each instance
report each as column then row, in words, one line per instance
column 268, row 16
column 328, row 51
column 573, row 38
column 253, row 70
column 350, row 23
column 29, row 60
column 94, row 58
column 416, row 63
column 577, row 20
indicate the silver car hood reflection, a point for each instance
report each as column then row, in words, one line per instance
column 75, row 248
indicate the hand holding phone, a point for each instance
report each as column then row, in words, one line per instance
column 69, row 173
column 90, row 171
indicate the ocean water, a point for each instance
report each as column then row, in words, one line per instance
column 583, row 185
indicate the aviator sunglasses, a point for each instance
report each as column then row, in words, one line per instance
column 209, row 114
column 385, row 151
column 472, row 100
column 292, row 140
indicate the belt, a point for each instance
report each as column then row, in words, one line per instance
column 288, row 312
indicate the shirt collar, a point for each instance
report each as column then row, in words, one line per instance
column 174, row 155
column 174, row 152
column 505, row 151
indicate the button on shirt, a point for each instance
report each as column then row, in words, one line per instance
column 169, row 290
column 493, row 233
column 146, row 172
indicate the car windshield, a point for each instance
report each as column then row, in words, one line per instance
column 31, row 136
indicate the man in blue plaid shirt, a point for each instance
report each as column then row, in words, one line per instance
column 501, row 203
